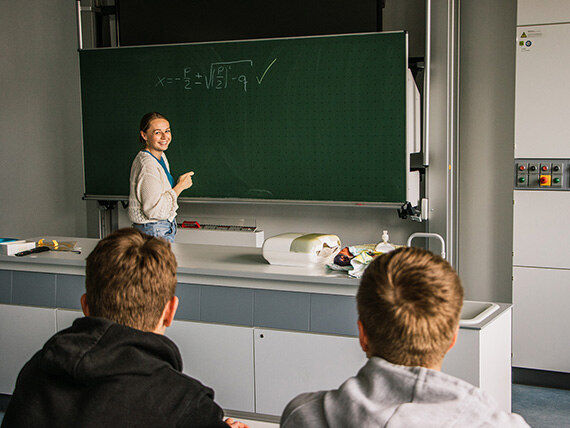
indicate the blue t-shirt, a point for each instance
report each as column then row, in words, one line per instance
column 163, row 164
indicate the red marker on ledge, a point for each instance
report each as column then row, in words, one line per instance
column 190, row 225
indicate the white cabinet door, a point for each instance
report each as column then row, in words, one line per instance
column 464, row 359
column 532, row 12
column 540, row 319
column 541, row 239
column 288, row 363
column 542, row 88
column 482, row 357
column 23, row 331
column 219, row 356
column 65, row 317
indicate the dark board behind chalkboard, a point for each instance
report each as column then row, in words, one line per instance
column 150, row 22
column 310, row 119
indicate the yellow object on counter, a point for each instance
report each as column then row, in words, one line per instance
column 54, row 245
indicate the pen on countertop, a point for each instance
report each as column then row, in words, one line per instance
column 32, row 251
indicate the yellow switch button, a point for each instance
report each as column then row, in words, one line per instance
column 545, row 180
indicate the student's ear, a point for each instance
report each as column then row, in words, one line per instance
column 167, row 316
column 84, row 305
column 362, row 337
column 170, row 311
column 143, row 136
column 454, row 339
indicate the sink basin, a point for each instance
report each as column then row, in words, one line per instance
column 475, row 312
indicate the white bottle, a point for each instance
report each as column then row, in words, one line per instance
column 384, row 246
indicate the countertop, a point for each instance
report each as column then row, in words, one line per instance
column 208, row 264
column 224, row 266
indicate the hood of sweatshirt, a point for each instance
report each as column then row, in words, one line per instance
column 385, row 394
column 95, row 348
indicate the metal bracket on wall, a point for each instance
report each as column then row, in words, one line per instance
column 418, row 213
column 106, row 214
column 406, row 210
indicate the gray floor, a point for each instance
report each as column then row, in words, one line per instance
column 541, row 407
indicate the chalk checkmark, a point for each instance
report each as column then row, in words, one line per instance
column 265, row 72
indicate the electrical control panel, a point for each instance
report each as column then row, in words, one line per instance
column 542, row 174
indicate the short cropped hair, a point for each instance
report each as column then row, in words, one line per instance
column 409, row 303
column 130, row 276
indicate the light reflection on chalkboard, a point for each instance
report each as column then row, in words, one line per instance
column 260, row 193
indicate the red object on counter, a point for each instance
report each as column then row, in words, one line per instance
column 190, row 225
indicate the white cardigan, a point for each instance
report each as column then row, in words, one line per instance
column 151, row 196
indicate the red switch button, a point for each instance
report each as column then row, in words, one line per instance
column 522, row 167
column 545, row 180
column 544, row 167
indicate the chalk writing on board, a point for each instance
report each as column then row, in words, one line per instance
column 219, row 76
column 265, row 72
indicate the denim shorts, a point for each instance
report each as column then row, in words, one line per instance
column 161, row 229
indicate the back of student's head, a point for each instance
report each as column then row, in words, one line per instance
column 409, row 303
column 129, row 278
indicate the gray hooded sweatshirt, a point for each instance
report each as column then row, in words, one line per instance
column 387, row 395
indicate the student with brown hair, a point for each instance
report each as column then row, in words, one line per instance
column 409, row 303
column 114, row 367
column 153, row 193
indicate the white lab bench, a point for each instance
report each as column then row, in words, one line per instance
column 257, row 333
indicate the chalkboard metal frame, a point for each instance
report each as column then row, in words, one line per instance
column 96, row 113
column 245, row 201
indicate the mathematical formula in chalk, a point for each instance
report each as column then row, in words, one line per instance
column 221, row 75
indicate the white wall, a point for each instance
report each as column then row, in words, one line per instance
column 486, row 142
column 40, row 138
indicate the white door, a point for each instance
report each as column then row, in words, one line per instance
column 289, row 363
column 23, row 332
column 541, row 323
column 542, row 104
column 65, row 317
column 219, row 356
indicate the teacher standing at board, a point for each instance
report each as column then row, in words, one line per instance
column 153, row 195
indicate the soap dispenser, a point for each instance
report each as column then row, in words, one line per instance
column 384, row 246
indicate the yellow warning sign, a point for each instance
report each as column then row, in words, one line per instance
column 523, row 36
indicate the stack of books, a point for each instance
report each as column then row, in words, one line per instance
column 11, row 246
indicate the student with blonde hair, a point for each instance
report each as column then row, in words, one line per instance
column 115, row 367
column 409, row 303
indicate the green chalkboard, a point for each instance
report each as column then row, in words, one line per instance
column 309, row 119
